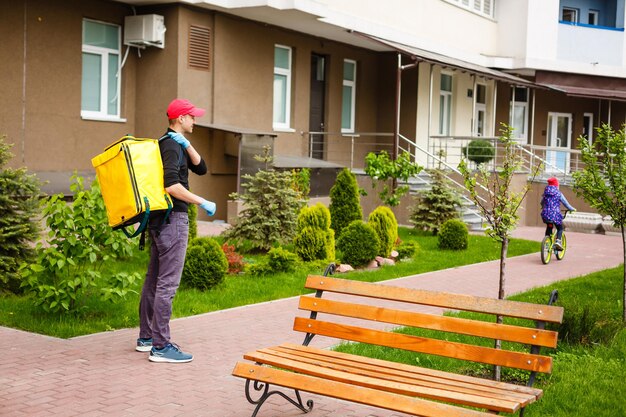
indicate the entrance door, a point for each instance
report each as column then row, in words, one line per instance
column 559, row 139
column 316, row 107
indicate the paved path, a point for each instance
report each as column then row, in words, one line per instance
column 101, row 374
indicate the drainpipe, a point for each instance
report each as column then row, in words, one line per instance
column 396, row 130
column 473, row 119
column 495, row 106
column 430, row 112
column 532, row 120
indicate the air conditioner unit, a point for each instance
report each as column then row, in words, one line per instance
column 144, row 30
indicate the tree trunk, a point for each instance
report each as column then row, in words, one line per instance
column 499, row 319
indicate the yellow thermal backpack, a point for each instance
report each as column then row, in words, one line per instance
column 130, row 173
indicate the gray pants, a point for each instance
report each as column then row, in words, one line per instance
column 167, row 258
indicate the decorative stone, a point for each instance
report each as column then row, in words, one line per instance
column 372, row 265
column 394, row 254
column 344, row 268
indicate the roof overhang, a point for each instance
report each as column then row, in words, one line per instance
column 586, row 86
column 449, row 62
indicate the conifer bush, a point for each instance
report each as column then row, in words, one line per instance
column 205, row 264
column 19, row 202
column 407, row 250
column 358, row 244
column 345, row 204
column 315, row 240
column 384, row 223
column 271, row 204
column 453, row 235
column 436, row 205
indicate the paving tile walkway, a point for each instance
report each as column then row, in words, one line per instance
column 102, row 374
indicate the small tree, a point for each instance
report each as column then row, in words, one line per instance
column 345, row 205
column 501, row 208
column 436, row 205
column 271, row 207
column 19, row 202
column 381, row 168
column 602, row 183
column 479, row 151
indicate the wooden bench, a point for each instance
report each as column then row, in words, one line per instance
column 394, row 386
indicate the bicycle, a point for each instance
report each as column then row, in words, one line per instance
column 547, row 244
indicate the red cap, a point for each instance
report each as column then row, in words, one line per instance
column 181, row 107
column 553, row 181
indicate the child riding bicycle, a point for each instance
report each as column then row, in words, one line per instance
column 551, row 209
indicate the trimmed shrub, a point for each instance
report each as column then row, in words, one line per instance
column 192, row 212
column 345, row 205
column 281, row 260
column 358, row 243
column 453, row 235
column 205, row 264
column 315, row 239
column 407, row 250
column 479, row 151
column 384, row 223
column 236, row 263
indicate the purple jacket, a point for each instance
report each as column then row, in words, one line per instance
column 551, row 205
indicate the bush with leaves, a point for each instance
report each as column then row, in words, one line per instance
column 315, row 240
column 278, row 260
column 453, row 235
column 236, row 264
column 271, row 205
column 384, row 223
column 192, row 211
column 19, row 207
column 358, row 244
column 79, row 241
column 381, row 168
column 479, row 151
column 407, row 250
column 436, row 205
column 205, row 264
column 345, row 202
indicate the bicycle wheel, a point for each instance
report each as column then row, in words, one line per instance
column 560, row 254
column 546, row 249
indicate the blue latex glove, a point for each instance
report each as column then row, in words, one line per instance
column 180, row 139
column 208, row 206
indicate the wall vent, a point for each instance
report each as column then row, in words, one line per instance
column 199, row 48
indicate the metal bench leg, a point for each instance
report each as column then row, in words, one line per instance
column 266, row 393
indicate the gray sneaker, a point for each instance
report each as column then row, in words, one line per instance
column 143, row 345
column 558, row 245
column 169, row 353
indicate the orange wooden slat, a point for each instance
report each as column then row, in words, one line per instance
column 416, row 377
column 481, row 354
column 361, row 395
column 490, row 401
column 429, row 321
column 506, row 308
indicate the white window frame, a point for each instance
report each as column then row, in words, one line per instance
column 352, row 85
column 480, row 108
column 590, row 127
column 596, row 17
column 445, row 97
column 286, row 124
column 520, row 136
column 105, row 53
column 481, row 7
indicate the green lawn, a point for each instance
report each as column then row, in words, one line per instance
column 238, row 290
column 589, row 364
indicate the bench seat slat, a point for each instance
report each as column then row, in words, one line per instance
column 386, row 371
column 505, row 308
column 425, row 345
column 546, row 338
column 351, row 392
column 411, row 369
column 497, row 401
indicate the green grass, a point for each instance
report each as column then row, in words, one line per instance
column 237, row 290
column 589, row 370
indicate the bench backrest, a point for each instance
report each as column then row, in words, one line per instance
column 398, row 314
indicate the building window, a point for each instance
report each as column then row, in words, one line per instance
column 480, row 114
column 282, row 87
column 482, row 7
column 518, row 112
column 445, row 104
column 594, row 17
column 588, row 126
column 348, row 96
column 100, row 90
column 569, row 15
